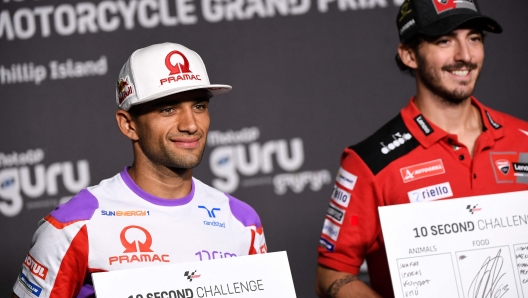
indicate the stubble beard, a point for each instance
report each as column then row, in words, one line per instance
column 160, row 155
column 432, row 80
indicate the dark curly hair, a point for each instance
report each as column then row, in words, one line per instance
column 414, row 43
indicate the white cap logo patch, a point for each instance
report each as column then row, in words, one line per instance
column 124, row 89
column 445, row 5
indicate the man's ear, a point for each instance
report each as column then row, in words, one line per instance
column 407, row 56
column 127, row 124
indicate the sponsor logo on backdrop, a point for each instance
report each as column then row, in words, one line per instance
column 344, row 5
column 239, row 159
column 28, row 72
column 423, row 170
column 67, row 19
column 26, row 181
column 135, row 250
column 206, row 255
column 510, row 167
column 431, row 193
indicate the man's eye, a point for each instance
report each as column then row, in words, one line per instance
column 200, row 106
column 167, row 110
column 442, row 41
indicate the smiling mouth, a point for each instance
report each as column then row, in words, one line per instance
column 188, row 144
column 460, row 73
column 460, row 69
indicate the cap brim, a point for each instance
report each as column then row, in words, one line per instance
column 452, row 22
column 214, row 89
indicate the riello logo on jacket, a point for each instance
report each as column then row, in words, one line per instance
column 178, row 71
column 137, row 251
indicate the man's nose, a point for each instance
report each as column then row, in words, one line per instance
column 187, row 121
column 463, row 52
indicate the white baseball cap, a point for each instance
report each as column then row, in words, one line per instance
column 160, row 70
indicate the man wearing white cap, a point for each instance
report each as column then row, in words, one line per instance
column 444, row 144
column 153, row 212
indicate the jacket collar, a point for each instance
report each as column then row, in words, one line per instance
column 427, row 133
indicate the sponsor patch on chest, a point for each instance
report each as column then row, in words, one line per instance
column 431, row 193
column 510, row 167
column 138, row 248
column 422, row 170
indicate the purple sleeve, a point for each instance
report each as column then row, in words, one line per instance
column 243, row 212
column 87, row 291
column 81, row 207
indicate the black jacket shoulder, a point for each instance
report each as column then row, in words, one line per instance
column 392, row 141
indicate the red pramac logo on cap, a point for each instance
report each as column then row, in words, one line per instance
column 178, row 67
column 178, row 71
